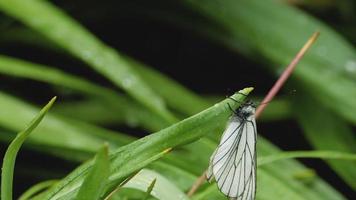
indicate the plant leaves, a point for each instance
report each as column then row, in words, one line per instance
column 94, row 182
column 306, row 154
column 132, row 157
column 325, row 131
column 150, row 188
column 131, row 112
column 282, row 175
column 8, row 165
column 276, row 31
column 53, row 132
column 176, row 96
column 68, row 138
column 163, row 188
column 70, row 35
column 34, row 189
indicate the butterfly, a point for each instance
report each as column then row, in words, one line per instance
column 233, row 164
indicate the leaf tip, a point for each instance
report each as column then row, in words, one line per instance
column 51, row 102
column 167, row 150
column 246, row 91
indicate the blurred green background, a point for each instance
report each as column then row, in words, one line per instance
column 126, row 69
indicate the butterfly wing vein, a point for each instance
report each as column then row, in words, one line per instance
column 233, row 164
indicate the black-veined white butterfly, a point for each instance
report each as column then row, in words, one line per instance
column 233, row 164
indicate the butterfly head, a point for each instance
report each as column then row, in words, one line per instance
column 246, row 109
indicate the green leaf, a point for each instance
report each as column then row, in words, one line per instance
column 276, row 31
column 286, row 170
column 306, row 154
column 132, row 113
column 50, row 21
column 132, row 157
column 94, row 182
column 278, row 109
column 150, row 188
column 281, row 176
column 34, row 189
column 53, row 132
column 326, row 131
column 180, row 177
column 11, row 153
column 176, row 96
column 163, row 188
column 264, row 178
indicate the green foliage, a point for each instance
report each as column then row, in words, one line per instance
column 33, row 190
column 150, row 188
column 153, row 183
column 179, row 151
column 94, row 182
column 134, row 156
column 7, row 170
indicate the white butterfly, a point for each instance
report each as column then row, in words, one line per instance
column 233, row 164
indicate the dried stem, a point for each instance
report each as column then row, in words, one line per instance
column 197, row 184
column 274, row 90
column 287, row 72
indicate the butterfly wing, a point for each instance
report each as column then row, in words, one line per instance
column 233, row 163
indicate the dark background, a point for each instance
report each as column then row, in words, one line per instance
column 145, row 31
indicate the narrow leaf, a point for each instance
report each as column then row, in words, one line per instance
column 53, row 23
column 328, row 132
column 95, row 180
column 130, row 111
column 306, row 154
column 8, row 165
column 53, row 132
column 150, row 188
column 138, row 154
column 33, row 190
column 262, row 28
column 155, row 184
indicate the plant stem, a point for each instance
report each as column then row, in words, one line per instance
column 273, row 91
column 285, row 75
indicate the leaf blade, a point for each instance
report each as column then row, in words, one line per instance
column 11, row 153
column 70, row 35
column 94, row 182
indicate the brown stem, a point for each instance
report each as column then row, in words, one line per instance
column 274, row 90
column 197, row 184
column 287, row 72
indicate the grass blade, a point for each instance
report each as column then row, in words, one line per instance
column 306, row 154
column 138, row 154
column 94, row 182
column 130, row 112
column 285, row 171
column 45, row 18
column 150, row 188
column 53, row 132
column 325, row 131
column 176, row 96
column 28, row 194
column 265, row 193
column 244, row 23
column 11, row 153
column 155, row 184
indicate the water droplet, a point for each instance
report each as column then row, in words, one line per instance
column 128, row 81
column 350, row 66
column 86, row 54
